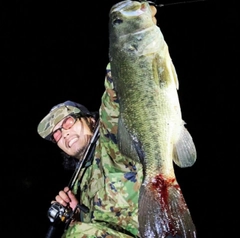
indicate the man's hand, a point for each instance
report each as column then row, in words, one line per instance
column 154, row 11
column 66, row 198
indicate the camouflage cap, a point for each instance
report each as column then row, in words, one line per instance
column 56, row 114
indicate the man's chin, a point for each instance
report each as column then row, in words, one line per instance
column 79, row 153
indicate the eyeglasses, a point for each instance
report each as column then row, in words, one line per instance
column 67, row 123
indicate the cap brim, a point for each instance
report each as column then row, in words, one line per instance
column 45, row 127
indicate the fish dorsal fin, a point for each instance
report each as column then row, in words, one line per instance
column 184, row 152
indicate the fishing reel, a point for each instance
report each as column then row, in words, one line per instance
column 58, row 213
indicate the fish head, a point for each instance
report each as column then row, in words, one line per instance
column 128, row 17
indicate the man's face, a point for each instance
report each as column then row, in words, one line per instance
column 72, row 136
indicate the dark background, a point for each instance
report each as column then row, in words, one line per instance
column 53, row 51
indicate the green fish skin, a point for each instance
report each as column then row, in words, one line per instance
column 150, row 128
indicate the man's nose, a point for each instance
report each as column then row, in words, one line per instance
column 65, row 133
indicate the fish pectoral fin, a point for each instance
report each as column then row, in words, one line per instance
column 166, row 68
column 125, row 143
column 185, row 153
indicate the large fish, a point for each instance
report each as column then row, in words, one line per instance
column 150, row 128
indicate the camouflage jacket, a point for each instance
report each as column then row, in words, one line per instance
column 110, row 185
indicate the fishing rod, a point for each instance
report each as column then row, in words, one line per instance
column 86, row 153
column 59, row 214
column 170, row 4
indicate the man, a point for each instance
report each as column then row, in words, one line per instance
column 109, row 186
column 108, row 183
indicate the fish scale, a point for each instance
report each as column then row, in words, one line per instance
column 150, row 127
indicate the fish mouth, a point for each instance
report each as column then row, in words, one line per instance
column 130, row 8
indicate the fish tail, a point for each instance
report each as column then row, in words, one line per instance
column 163, row 212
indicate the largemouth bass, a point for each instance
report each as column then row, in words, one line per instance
column 150, row 127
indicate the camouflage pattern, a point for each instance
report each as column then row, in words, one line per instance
column 110, row 186
column 56, row 114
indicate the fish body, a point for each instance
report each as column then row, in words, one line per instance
column 150, row 127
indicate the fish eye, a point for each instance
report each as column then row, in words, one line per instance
column 117, row 21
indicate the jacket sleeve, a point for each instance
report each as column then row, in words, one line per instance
column 109, row 110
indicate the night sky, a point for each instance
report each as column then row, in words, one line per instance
column 53, row 51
